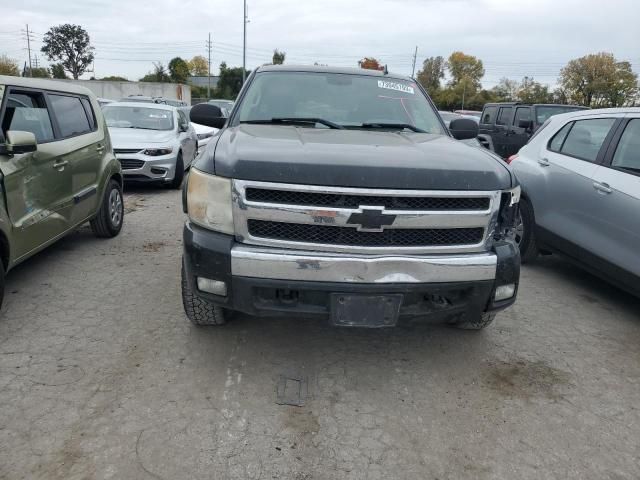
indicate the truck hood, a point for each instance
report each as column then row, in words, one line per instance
column 353, row 158
column 124, row 137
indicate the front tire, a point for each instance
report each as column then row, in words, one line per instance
column 179, row 173
column 108, row 222
column 1, row 283
column 478, row 324
column 525, row 233
column 199, row 311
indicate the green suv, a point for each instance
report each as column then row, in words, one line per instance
column 57, row 168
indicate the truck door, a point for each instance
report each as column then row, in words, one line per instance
column 517, row 136
column 503, row 124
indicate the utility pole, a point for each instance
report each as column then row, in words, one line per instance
column 29, row 51
column 244, row 44
column 209, row 68
column 36, row 62
column 413, row 69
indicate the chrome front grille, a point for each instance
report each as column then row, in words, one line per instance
column 344, row 200
column 361, row 220
column 120, row 151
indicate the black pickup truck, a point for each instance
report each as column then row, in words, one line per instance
column 340, row 193
column 506, row 127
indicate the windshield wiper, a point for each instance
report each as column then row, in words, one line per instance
column 400, row 126
column 284, row 120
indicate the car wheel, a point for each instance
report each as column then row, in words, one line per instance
column 525, row 232
column 477, row 324
column 108, row 222
column 199, row 311
column 1, row 283
column 179, row 174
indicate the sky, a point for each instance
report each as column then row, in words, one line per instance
column 513, row 38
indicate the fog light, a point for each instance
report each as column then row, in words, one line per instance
column 212, row 286
column 504, row 292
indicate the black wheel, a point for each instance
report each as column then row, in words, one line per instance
column 108, row 222
column 1, row 283
column 179, row 174
column 525, row 232
column 477, row 324
column 199, row 311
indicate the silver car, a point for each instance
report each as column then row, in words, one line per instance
column 580, row 176
column 153, row 142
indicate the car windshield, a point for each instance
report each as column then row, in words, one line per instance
column 346, row 101
column 138, row 117
column 544, row 113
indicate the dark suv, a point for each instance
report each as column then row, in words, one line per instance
column 506, row 127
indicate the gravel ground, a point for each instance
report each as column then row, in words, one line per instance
column 102, row 376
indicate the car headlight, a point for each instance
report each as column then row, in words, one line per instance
column 209, row 201
column 156, row 152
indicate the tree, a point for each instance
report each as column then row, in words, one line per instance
column 465, row 68
column 114, row 78
column 8, row 66
column 159, row 74
column 278, row 57
column 36, row 72
column 57, row 71
column 506, row 90
column 178, row 70
column 230, row 81
column 431, row 74
column 370, row 63
column 199, row 66
column 531, row 91
column 70, row 45
column 599, row 80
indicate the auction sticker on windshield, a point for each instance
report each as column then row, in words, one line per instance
column 400, row 87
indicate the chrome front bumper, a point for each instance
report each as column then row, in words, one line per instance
column 280, row 264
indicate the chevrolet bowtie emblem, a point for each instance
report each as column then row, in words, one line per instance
column 370, row 219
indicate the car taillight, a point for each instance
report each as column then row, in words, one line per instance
column 512, row 158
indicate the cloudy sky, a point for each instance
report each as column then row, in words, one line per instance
column 514, row 38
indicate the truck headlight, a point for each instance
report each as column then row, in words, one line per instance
column 209, row 201
column 509, row 206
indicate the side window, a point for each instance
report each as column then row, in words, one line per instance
column 522, row 113
column 627, row 154
column 558, row 139
column 182, row 118
column 27, row 111
column 504, row 116
column 489, row 115
column 586, row 138
column 70, row 114
column 90, row 113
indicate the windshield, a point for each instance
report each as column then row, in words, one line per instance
column 545, row 113
column 346, row 100
column 138, row 117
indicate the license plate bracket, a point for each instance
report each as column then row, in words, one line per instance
column 371, row 311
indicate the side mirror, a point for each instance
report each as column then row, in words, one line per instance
column 21, row 142
column 184, row 127
column 207, row 114
column 463, row 128
column 526, row 124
